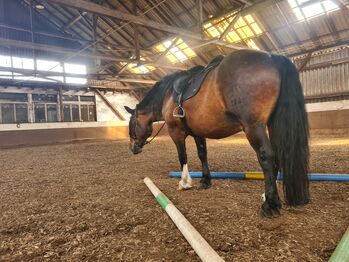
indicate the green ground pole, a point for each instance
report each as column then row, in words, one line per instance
column 341, row 253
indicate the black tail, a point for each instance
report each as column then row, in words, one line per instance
column 288, row 127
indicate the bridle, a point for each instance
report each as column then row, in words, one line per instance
column 133, row 136
column 149, row 141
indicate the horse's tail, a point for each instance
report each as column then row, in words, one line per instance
column 288, row 128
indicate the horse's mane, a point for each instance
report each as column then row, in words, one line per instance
column 157, row 94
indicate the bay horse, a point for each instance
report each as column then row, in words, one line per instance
column 250, row 91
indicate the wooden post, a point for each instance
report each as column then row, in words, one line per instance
column 60, row 100
column 304, row 62
column 136, row 33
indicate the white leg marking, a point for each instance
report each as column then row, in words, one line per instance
column 186, row 180
column 263, row 197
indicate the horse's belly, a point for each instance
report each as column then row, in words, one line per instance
column 216, row 127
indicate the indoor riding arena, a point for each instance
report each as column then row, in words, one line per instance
column 165, row 130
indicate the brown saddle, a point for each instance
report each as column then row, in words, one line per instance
column 189, row 84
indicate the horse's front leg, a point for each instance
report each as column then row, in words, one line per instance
column 178, row 137
column 202, row 153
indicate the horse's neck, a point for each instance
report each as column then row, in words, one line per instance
column 155, row 110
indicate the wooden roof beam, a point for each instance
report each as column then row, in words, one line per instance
column 103, row 11
column 55, row 49
column 109, row 104
column 45, row 74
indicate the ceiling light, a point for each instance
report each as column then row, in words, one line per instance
column 39, row 6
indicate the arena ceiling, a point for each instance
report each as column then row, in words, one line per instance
column 134, row 43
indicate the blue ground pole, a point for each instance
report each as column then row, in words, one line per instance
column 259, row 175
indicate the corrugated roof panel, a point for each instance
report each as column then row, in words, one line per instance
column 320, row 25
column 302, row 31
column 340, row 19
column 271, row 17
column 285, row 37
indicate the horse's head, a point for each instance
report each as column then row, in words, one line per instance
column 140, row 128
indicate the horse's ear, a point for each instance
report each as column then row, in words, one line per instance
column 129, row 110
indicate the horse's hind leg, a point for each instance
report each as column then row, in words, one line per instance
column 202, row 153
column 259, row 140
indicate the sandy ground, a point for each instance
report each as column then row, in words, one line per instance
column 87, row 201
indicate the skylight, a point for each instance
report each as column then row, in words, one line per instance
column 138, row 69
column 305, row 9
column 244, row 29
column 178, row 52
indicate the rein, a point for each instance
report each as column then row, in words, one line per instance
column 149, row 141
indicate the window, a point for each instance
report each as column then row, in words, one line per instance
column 13, row 108
column 8, row 113
column 79, row 108
column 22, row 63
column 92, row 113
column 75, row 69
column 40, row 115
column 42, row 65
column 178, row 51
column 6, row 74
column 305, row 9
column 71, row 113
column 87, row 98
column 21, row 113
column 84, row 113
column 51, row 113
column 66, row 113
column 244, row 29
column 13, row 97
column 75, row 113
column 70, row 98
column 50, row 66
column 45, row 108
column 5, row 61
column 44, row 98
column 88, row 113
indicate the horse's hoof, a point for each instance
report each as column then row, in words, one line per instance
column 182, row 186
column 268, row 212
column 205, row 182
column 203, row 187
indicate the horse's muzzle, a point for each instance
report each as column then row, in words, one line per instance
column 135, row 148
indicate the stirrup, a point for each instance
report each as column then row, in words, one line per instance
column 177, row 110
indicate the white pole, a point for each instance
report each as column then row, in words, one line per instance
column 197, row 242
